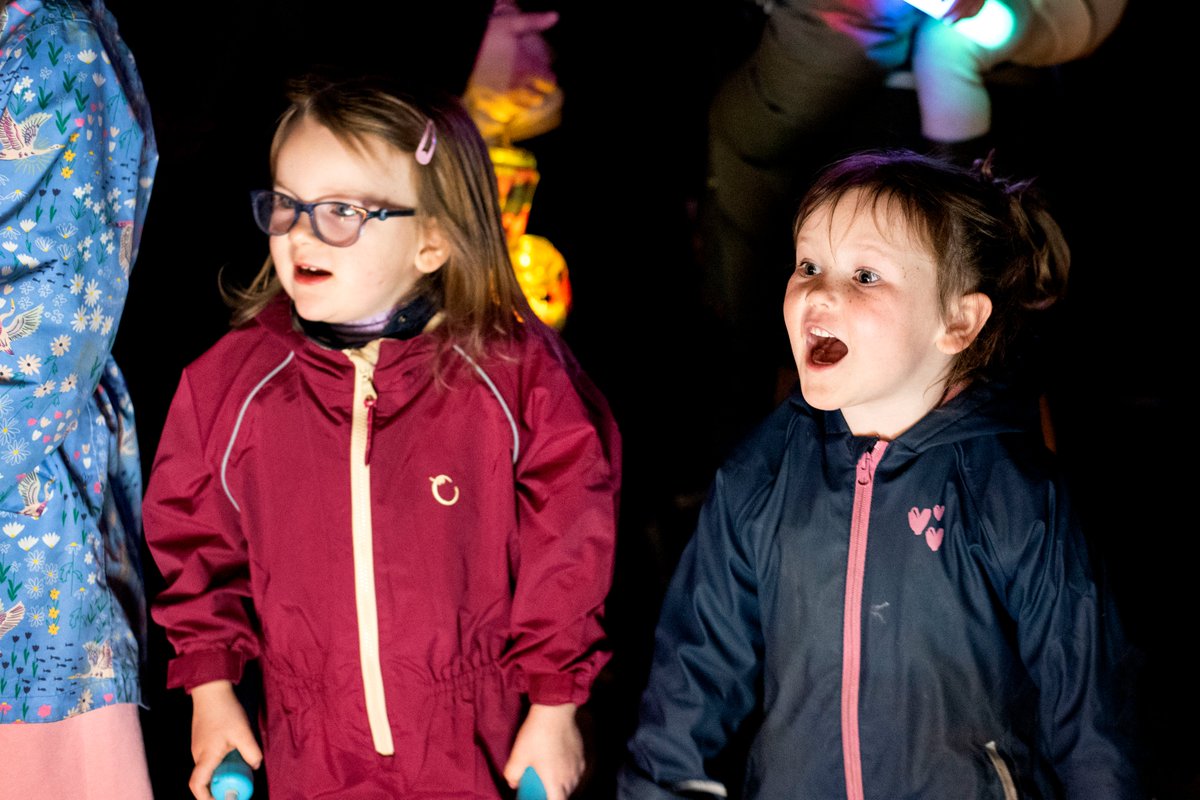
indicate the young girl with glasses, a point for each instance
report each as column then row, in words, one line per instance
column 389, row 484
column 888, row 593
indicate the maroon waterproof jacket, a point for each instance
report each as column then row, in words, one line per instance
column 407, row 552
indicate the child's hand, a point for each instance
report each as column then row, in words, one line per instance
column 219, row 724
column 550, row 742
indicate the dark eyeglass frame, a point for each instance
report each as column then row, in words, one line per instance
column 265, row 198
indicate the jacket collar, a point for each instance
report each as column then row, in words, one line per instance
column 398, row 359
column 980, row 409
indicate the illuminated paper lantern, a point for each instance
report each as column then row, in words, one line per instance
column 517, row 178
column 541, row 269
column 542, row 272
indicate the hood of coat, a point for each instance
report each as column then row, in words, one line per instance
column 983, row 409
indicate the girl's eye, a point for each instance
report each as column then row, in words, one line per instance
column 284, row 203
column 344, row 210
column 807, row 269
column 865, row 276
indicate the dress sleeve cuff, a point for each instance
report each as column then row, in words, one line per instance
column 189, row 670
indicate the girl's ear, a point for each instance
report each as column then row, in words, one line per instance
column 432, row 248
column 964, row 322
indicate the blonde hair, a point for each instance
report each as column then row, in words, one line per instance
column 480, row 295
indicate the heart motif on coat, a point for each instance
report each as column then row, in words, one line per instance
column 918, row 518
column 933, row 537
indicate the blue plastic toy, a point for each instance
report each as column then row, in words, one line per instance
column 530, row 787
column 233, row 779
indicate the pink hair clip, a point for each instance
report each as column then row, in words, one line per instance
column 427, row 145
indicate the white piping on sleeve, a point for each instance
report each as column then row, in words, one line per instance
column 714, row 788
column 238, row 425
column 512, row 422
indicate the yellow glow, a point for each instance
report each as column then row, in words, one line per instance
column 542, row 273
column 540, row 268
column 517, row 179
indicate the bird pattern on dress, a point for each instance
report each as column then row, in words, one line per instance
column 21, row 326
column 33, row 495
column 19, row 139
column 9, row 619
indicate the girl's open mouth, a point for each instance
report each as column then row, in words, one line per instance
column 305, row 274
column 824, row 348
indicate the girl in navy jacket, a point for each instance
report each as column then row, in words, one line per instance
column 888, row 594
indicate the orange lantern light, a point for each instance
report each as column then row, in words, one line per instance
column 542, row 272
column 517, row 178
column 540, row 268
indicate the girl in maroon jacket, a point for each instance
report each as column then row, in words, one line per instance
column 389, row 483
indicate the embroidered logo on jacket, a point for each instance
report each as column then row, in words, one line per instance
column 437, row 483
column 919, row 521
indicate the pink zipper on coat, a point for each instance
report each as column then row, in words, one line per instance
column 856, row 564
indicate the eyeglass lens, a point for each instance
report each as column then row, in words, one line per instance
column 334, row 223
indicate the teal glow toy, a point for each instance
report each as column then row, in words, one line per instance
column 530, row 787
column 232, row 779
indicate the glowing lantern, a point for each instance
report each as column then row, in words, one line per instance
column 517, row 178
column 541, row 269
column 542, row 272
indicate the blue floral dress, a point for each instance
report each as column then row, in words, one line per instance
column 77, row 160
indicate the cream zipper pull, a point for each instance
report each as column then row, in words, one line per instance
column 369, row 402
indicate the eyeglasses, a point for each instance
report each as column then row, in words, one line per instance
column 334, row 223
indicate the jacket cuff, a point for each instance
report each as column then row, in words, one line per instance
column 189, row 670
column 553, row 689
column 633, row 785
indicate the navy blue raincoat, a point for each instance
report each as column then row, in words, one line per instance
column 904, row 619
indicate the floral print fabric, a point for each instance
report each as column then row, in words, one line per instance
column 77, row 160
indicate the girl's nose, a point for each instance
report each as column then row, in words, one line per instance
column 820, row 293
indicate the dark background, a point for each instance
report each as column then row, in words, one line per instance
column 621, row 177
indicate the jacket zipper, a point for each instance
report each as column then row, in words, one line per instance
column 362, row 418
column 864, row 484
column 1002, row 771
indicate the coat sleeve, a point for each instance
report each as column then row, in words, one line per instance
column 707, row 662
column 568, row 474
column 1072, row 642
column 194, row 534
column 77, row 161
